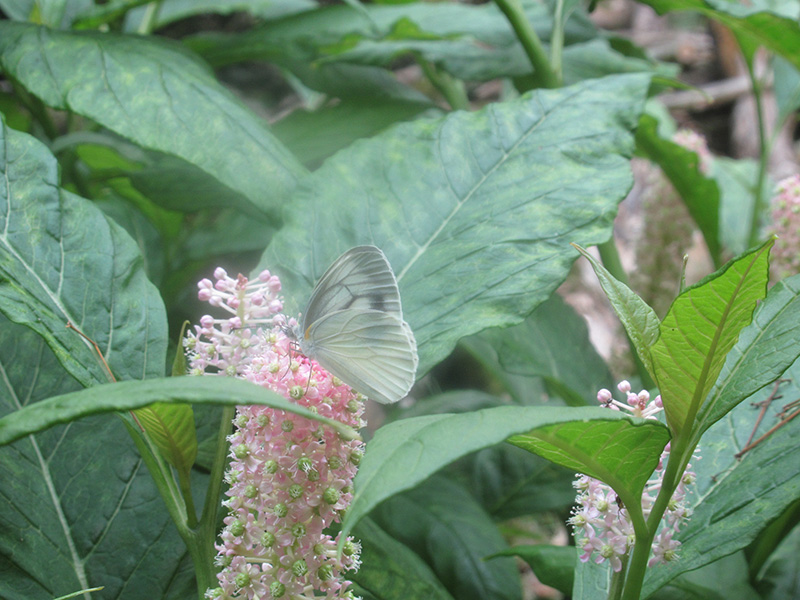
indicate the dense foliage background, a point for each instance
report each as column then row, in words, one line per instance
column 145, row 143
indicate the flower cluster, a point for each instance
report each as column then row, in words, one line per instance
column 601, row 520
column 290, row 477
column 785, row 259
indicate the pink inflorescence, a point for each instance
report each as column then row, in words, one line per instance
column 290, row 477
column 601, row 520
column 785, row 260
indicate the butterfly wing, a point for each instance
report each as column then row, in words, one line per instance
column 361, row 278
column 372, row 351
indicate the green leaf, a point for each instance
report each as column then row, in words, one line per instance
column 682, row 167
column 510, row 482
column 404, row 453
column 735, row 499
column 79, row 507
column 62, row 261
column 766, row 348
column 171, row 427
column 736, row 179
column 173, row 183
column 117, row 81
column 552, row 565
column 477, row 216
column 444, row 525
column 313, row 136
column 701, row 327
column 552, row 343
column 757, row 23
column 129, row 395
column 781, row 577
column 476, row 38
column 616, row 453
column 170, row 11
column 704, row 583
column 390, row 570
column 638, row 319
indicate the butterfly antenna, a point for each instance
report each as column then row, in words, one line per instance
column 102, row 358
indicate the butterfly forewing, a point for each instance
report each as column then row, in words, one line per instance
column 372, row 351
column 361, row 278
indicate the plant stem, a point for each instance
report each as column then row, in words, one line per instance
column 544, row 71
column 149, row 19
column 202, row 547
column 763, row 159
column 451, row 88
column 557, row 38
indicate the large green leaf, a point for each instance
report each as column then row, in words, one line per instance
column 757, row 22
column 443, row 524
column 62, row 261
column 682, row 167
column 552, row 565
column 129, row 395
column 475, row 211
column 404, row 453
column 152, row 92
column 313, row 136
column 701, row 327
column 79, row 508
column 390, row 570
column 737, row 498
column 460, row 32
column 766, row 348
column 552, row 343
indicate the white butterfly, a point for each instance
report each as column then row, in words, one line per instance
column 353, row 326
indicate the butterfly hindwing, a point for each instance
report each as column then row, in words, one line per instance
column 374, row 352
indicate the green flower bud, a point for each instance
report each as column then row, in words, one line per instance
column 331, row 495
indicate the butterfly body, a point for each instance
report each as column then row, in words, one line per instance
column 353, row 326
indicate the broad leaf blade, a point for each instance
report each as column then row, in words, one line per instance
column 766, row 348
column 129, row 395
column 404, row 453
column 454, row 542
column 117, row 81
column 737, row 498
column 682, row 167
column 701, row 327
column 79, row 508
column 639, row 320
column 62, row 261
column 171, row 427
column 552, row 343
column 552, row 166
column 616, row 453
column 390, row 570
column 552, row 565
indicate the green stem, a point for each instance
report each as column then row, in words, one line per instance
column 644, row 539
column 150, row 17
column 203, row 536
column 544, row 72
column 763, row 159
column 611, row 261
column 185, row 484
column 557, row 39
column 451, row 88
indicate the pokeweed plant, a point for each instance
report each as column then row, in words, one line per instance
column 130, row 172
